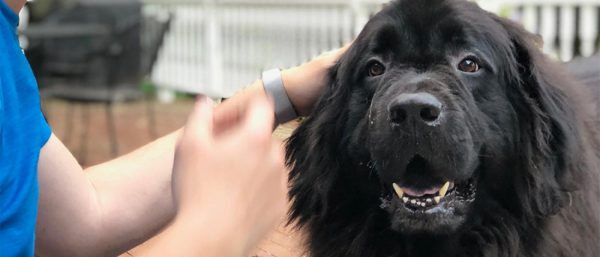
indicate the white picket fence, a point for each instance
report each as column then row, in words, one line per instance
column 216, row 47
column 569, row 28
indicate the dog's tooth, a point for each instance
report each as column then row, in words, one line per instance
column 437, row 199
column 405, row 199
column 413, row 201
column 422, row 204
column 428, row 200
column 444, row 189
column 398, row 190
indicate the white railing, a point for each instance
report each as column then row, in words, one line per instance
column 568, row 27
column 215, row 47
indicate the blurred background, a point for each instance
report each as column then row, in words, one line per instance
column 115, row 74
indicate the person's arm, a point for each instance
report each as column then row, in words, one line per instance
column 110, row 208
column 15, row 5
column 107, row 209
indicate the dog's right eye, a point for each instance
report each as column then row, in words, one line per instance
column 469, row 65
column 376, row 69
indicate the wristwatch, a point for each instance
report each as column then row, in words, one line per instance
column 273, row 84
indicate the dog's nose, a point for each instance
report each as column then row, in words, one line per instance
column 422, row 107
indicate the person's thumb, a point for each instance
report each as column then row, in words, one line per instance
column 200, row 122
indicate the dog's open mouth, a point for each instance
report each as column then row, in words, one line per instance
column 426, row 192
column 420, row 200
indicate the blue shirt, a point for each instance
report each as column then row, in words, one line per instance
column 23, row 132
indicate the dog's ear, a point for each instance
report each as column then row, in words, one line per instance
column 312, row 154
column 548, row 138
column 315, row 152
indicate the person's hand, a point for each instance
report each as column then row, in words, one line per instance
column 233, row 183
column 304, row 84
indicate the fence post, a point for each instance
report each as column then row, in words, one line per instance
column 588, row 23
column 213, row 36
column 548, row 29
column 490, row 5
column 361, row 15
column 530, row 18
column 567, row 32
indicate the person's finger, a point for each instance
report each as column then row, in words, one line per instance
column 259, row 119
column 226, row 116
column 279, row 162
column 226, row 121
column 200, row 122
column 336, row 53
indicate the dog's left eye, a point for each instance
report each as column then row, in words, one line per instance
column 376, row 69
column 468, row 65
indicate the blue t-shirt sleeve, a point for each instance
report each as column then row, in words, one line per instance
column 1, row 111
column 23, row 132
column 45, row 130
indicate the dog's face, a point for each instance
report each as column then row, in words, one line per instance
column 439, row 118
column 428, row 93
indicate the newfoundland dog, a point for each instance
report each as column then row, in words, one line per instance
column 446, row 132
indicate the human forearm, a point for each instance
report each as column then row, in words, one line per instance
column 303, row 84
column 106, row 209
column 135, row 194
column 196, row 238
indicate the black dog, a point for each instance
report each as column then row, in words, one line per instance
column 445, row 132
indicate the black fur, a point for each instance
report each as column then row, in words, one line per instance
column 520, row 128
